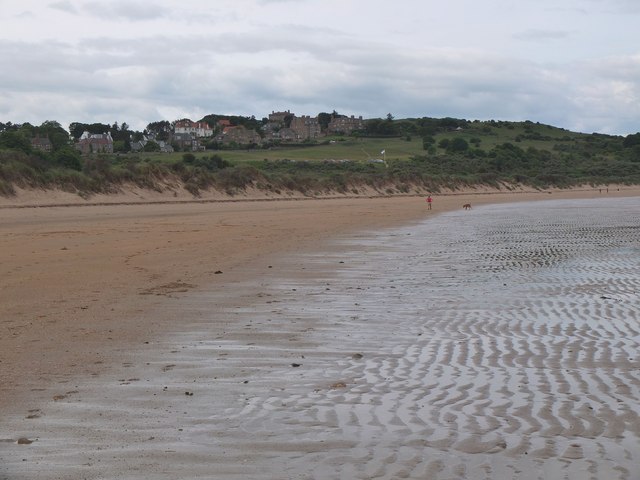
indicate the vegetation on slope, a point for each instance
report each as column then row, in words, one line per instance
column 423, row 154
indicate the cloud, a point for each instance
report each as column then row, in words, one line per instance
column 126, row 10
column 236, row 66
column 542, row 34
column 124, row 80
column 64, row 6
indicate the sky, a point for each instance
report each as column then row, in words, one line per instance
column 573, row 64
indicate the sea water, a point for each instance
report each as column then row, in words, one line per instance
column 501, row 342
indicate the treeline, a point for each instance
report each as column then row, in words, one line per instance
column 509, row 163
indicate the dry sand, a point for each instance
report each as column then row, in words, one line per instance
column 85, row 289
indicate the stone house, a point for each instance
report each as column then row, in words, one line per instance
column 95, row 143
column 139, row 145
column 306, row 127
column 285, row 135
column 41, row 143
column 278, row 117
column 224, row 123
column 240, row 135
column 186, row 142
column 345, row 125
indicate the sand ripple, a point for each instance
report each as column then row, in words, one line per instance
column 498, row 344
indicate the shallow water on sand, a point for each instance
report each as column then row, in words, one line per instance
column 501, row 342
column 497, row 343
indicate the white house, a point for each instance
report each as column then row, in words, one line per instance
column 199, row 129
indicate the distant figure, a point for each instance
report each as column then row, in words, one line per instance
column 429, row 201
column 467, row 206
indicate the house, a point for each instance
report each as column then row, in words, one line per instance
column 343, row 125
column 186, row 142
column 240, row 135
column 285, row 135
column 199, row 129
column 278, row 117
column 306, row 127
column 139, row 145
column 41, row 143
column 95, row 143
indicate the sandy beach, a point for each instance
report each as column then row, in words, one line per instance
column 106, row 311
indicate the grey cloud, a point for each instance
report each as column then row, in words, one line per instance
column 617, row 6
column 64, row 6
column 542, row 34
column 133, row 81
column 126, row 10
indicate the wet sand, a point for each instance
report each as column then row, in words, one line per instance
column 144, row 361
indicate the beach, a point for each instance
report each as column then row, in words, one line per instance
column 336, row 338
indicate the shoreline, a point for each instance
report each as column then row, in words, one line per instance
column 34, row 198
column 79, row 286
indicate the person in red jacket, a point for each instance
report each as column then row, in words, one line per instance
column 429, row 201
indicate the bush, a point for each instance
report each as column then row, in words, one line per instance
column 68, row 157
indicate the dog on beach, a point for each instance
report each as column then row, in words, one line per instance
column 467, row 206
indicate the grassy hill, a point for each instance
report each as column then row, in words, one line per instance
column 421, row 155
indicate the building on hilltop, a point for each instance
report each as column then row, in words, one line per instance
column 306, row 127
column 240, row 135
column 95, row 143
column 278, row 117
column 41, row 143
column 139, row 146
column 199, row 129
column 186, row 142
column 343, row 125
column 285, row 135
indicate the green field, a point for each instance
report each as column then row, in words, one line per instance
column 487, row 135
column 355, row 149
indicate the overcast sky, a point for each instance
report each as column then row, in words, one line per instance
column 569, row 63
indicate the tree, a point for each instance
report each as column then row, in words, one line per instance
column 68, row 157
column 389, row 117
column 151, row 146
column 631, row 140
column 324, row 119
column 57, row 135
column 161, row 129
column 428, row 141
column 15, row 139
column 444, row 143
column 287, row 120
column 458, row 145
column 376, row 126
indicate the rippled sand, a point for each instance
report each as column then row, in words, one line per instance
column 497, row 343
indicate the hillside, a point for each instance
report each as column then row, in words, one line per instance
column 389, row 157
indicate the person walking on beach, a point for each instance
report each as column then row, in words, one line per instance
column 429, row 201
